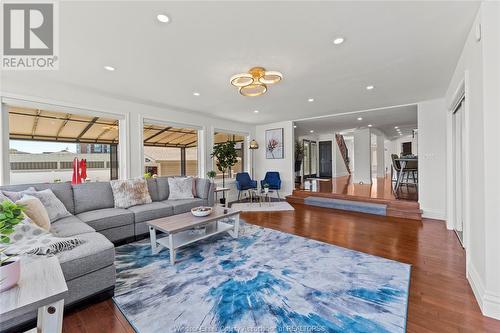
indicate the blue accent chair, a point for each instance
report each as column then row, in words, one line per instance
column 272, row 178
column 244, row 182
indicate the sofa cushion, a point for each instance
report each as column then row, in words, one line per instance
column 184, row 205
column 92, row 196
column 151, row 211
column 153, row 189
column 202, row 188
column 106, row 218
column 70, row 226
column 95, row 253
column 163, row 189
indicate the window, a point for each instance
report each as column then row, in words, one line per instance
column 43, row 145
column 170, row 151
column 221, row 137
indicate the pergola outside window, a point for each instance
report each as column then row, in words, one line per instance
column 170, row 151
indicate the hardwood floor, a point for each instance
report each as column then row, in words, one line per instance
column 381, row 188
column 440, row 298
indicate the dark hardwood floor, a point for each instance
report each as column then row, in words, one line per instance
column 440, row 298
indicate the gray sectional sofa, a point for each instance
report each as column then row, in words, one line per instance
column 89, row 268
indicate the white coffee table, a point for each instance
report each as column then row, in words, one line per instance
column 181, row 229
column 42, row 287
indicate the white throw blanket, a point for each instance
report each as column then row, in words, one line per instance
column 28, row 238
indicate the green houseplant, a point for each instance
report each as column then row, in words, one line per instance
column 11, row 215
column 211, row 175
column 225, row 156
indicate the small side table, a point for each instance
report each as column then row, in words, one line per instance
column 42, row 287
column 221, row 189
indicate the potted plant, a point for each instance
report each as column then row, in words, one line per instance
column 266, row 188
column 11, row 214
column 299, row 156
column 225, row 156
column 211, row 175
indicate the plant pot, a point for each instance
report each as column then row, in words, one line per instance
column 223, row 201
column 10, row 272
column 266, row 190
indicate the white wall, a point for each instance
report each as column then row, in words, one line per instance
column 479, row 69
column 362, row 155
column 432, row 158
column 284, row 166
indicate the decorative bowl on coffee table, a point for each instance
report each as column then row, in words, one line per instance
column 201, row 211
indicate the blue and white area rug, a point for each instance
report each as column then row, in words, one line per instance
column 264, row 281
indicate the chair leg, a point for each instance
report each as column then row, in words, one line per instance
column 278, row 194
column 239, row 195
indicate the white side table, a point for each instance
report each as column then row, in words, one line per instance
column 221, row 189
column 42, row 287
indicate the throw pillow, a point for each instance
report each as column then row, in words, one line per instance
column 130, row 192
column 34, row 209
column 55, row 208
column 180, row 188
column 14, row 196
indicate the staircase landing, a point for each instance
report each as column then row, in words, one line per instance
column 380, row 192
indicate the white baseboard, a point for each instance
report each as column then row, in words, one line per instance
column 433, row 214
column 488, row 302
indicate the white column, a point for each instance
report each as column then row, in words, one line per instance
column 362, row 156
column 380, row 156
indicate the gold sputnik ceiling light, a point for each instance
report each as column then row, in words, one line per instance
column 255, row 82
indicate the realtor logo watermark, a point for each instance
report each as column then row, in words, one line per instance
column 30, row 36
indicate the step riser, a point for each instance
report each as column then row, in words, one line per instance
column 411, row 212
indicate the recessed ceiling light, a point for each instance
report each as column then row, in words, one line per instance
column 312, row 131
column 369, row 87
column 255, row 111
column 109, row 68
column 369, row 125
column 310, row 100
column 196, row 93
column 338, row 41
column 163, row 18
column 396, row 127
column 360, row 118
column 294, row 126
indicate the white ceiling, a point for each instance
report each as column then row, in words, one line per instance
column 408, row 50
column 404, row 117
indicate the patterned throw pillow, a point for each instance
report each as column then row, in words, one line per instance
column 55, row 208
column 28, row 238
column 34, row 209
column 180, row 188
column 130, row 192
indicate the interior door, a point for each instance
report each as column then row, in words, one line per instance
column 325, row 159
column 458, row 176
